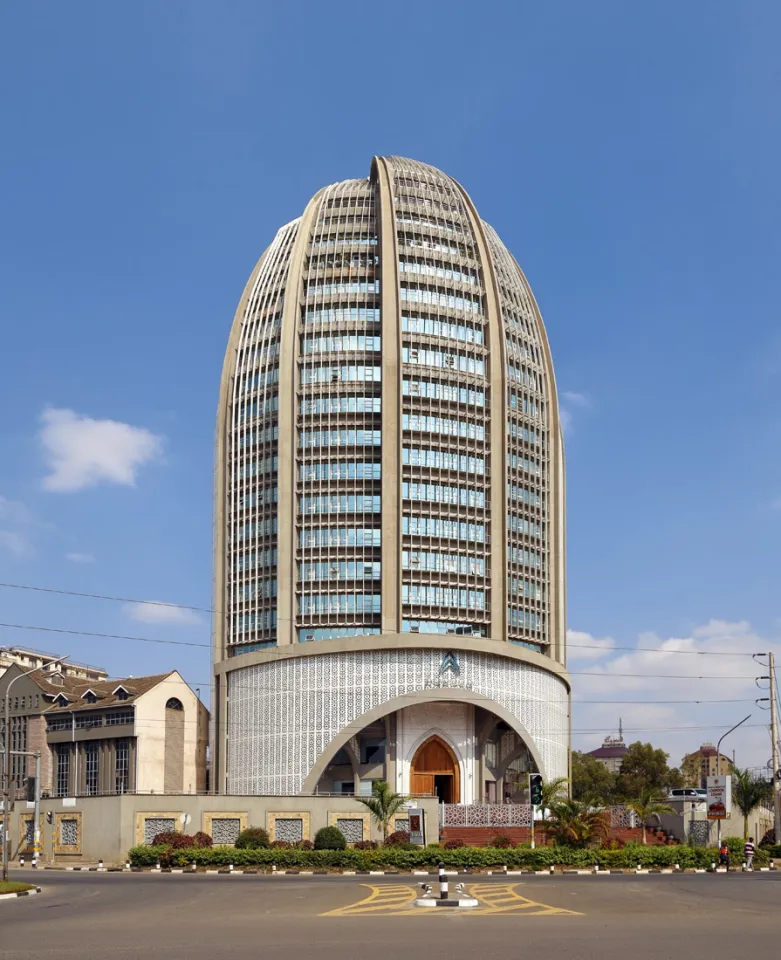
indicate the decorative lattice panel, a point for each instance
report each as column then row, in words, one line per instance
column 699, row 831
column 291, row 829
column 486, row 815
column 29, row 833
column 226, row 829
column 621, row 817
column 155, row 825
column 402, row 824
column 352, row 829
column 69, row 833
column 282, row 715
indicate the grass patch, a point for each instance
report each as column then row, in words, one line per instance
column 11, row 886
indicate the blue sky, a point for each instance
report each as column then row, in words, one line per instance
column 628, row 154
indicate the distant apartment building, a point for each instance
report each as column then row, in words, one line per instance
column 98, row 737
column 707, row 759
column 27, row 658
column 612, row 752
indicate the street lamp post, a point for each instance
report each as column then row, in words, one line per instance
column 718, row 762
column 7, row 759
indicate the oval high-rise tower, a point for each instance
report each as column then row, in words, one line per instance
column 389, row 517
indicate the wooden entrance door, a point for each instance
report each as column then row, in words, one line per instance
column 434, row 758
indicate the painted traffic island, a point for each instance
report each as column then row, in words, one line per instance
column 444, row 899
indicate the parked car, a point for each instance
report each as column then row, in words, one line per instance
column 688, row 793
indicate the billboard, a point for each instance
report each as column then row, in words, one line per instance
column 719, row 797
column 417, row 833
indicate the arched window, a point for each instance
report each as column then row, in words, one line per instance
column 174, row 704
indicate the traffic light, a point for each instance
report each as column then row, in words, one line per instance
column 30, row 784
column 535, row 789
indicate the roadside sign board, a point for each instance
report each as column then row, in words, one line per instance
column 719, row 797
column 417, row 832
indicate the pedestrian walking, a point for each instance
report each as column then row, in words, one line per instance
column 749, row 850
column 724, row 854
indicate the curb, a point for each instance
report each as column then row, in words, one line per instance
column 569, row 872
column 20, row 893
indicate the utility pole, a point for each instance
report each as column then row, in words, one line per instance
column 37, row 813
column 7, row 757
column 774, row 737
column 718, row 764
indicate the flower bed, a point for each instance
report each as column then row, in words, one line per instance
column 421, row 858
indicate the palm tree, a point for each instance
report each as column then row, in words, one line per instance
column 649, row 807
column 576, row 824
column 553, row 792
column 748, row 794
column 382, row 805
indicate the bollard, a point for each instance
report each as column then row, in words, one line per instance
column 273, row 868
column 745, row 866
column 677, row 865
column 100, row 864
column 127, row 864
column 230, row 868
column 157, row 865
column 442, row 873
column 713, row 865
column 639, row 865
column 596, row 868
column 21, row 860
column 34, row 863
column 551, row 871
column 443, row 886
column 194, row 867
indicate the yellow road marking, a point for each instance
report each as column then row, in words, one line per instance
column 384, row 899
column 503, row 898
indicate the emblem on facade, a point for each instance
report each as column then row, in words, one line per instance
column 450, row 665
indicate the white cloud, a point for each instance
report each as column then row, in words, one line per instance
column 668, row 669
column 80, row 557
column 571, row 400
column 575, row 399
column 17, row 523
column 14, row 542
column 151, row 611
column 583, row 646
column 81, row 452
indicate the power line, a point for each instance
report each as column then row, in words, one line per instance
column 100, row 596
column 103, row 636
column 210, row 610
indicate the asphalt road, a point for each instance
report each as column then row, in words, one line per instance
column 88, row 916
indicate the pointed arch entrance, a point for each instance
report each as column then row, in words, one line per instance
column 434, row 770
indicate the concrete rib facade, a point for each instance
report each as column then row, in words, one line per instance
column 389, row 483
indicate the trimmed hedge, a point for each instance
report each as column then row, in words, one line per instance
column 472, row 857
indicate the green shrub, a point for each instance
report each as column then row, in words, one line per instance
column 502, row 841
column 253, row 838
column 474, row 858
column 304, row 845
column 330, row 838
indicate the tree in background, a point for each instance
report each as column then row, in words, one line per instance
column 691, row 770
column 644, row 767
column 591, row 780
column 649, row 807
column 749, row 794
column 382, row 805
